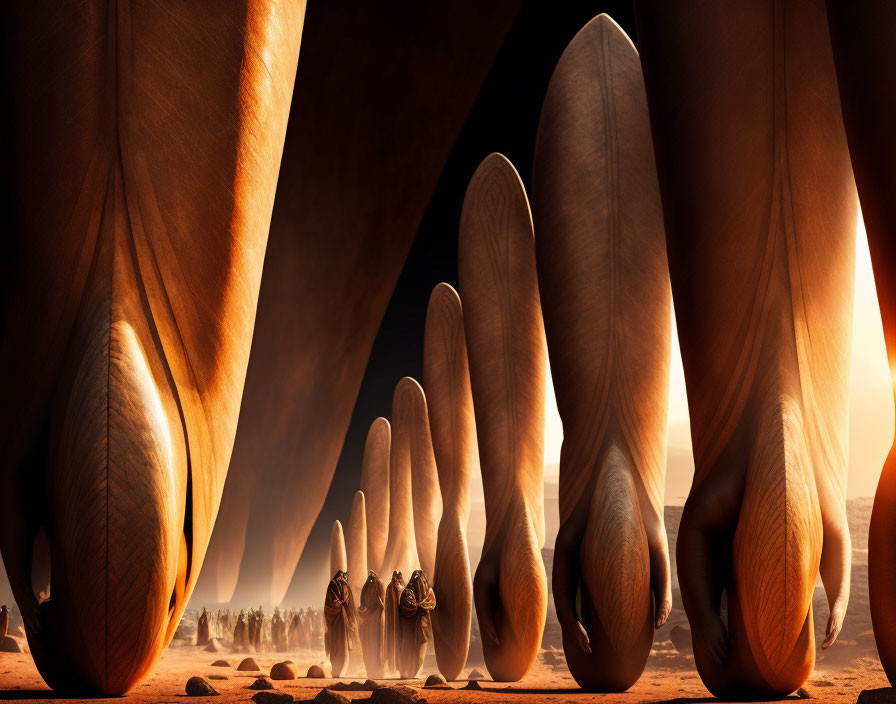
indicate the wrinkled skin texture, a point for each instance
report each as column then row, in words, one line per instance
column 358, row 172
column 861, row 36
column 450, row 401
column 415, row 618
column 401, row 550
column 372, row 625
column 506, row 350
column 341, row 617
column 604, row 285
column 158, row 131
column 760, row 213
column 375, row 485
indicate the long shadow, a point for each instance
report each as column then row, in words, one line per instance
column 42, row 694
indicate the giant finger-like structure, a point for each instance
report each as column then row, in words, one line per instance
column 367, row 156
column 144, row 170
column 401, row 549
column 506, row 350
column 760, row 213
column 447, row 378
column 427, row 498
column 375, row 486
column 604, row 284
column 864, row 54
column 356, row 544
column 338, row 559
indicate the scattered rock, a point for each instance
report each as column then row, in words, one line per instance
column 396, row 694
column 349, row 687
column 220, row 663
column 472, row 684
column 284, row 671
column 434, row 680
column 370, row 685
column 821, row 683
column 803, row 694
column 248, row 665
column 261, row 683
column 10, row 645
column 475, row 675
column 272, row 698
column 316, row 672
column 884, row 695
column 218, row 677
column 198, row 687
column 326, row 696
column 681, row 639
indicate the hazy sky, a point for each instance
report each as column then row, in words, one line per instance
column 871, row 400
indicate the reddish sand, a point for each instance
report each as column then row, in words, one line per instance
column 19, row 681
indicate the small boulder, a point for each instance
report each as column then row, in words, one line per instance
column 434, row 680
column 272, row 698
column 472, row 684
column 327, row 696
column 261, row 683
column 475, row 675
column 396, row 694
column 8, row 644
column 220, row 663
column 248, row 665
column 681, row 639
column 803, row 694
column 284, row 671
column 370, row 685
column 348, row 687
column 198, row 687
column 316, row 672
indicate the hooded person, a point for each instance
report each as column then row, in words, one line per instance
column 202, row 632
column 341, row 618
column 4, row 621
column 372, row 627
column 278, row 631
column 415, row 607
column 241, row 632
column 293, row 634
column 392, row 636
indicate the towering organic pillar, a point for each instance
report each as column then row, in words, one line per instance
column 760, row 214
column 382, row 95
column 401, row 549
column 506, row 350
column 447, row 379
column 862, row 37
column 356, row 544
column 143, row 176
column 375, row 485
column 338, row 560
column 424, row 480
column 604, row 284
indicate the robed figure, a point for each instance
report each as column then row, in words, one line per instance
column 241, row 632
column 372, row 613
column 341, row 618
column 202, row 632
column 278, row 632
column 393, row 633
column 415, row 608
column 4, row 621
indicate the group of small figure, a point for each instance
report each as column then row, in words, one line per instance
column 392, row 627
column 300, row 629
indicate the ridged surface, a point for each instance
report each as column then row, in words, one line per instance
column 760, row 211
column 401, row 549
column 338, row 560
column 506, row 351
column 126, row 344
column 375, row 485
column 605, row 294
column 446, row 375
column 356, row 544
column 427, row 499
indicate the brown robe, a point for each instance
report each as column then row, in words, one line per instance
column 278, row 633
column 391, row 621
column 241, row 633
column 342, row 623
column 294, row 635
column 373, row 643
column 202, row 633
column 4, row 621
column 417, row 601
